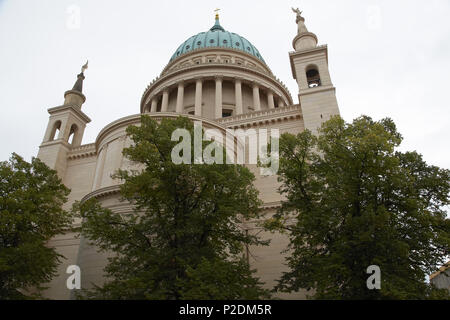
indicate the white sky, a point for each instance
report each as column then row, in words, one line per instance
column 386, row 59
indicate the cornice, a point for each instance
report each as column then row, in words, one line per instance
column 212, row 49
column 56, row 141
column 84, row 151
column 302, row 35
column 72, row 108
column 80, row 94
column 262, row 117
column 295, row 54
column 111, row 190
column 318, row 89
column 101, row 193
column 136, row 118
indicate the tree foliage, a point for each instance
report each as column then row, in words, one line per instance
column 31, row 199
column 357, row 201
column 185, row 239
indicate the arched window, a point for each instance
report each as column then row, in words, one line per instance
column 313, row 77
column 73, row 132
column 55, row 131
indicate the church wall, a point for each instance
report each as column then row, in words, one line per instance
column 228, row 96
column 318, row 107
column 269, row 261
column 247, row 98
column 263, row 100
column 113, row 161
column 189, row 97
column 54, row 155
column 172, row 106
column 78, row 178
column 209, row 99
column 91, row 260
column 268, row 185
column 66, row 244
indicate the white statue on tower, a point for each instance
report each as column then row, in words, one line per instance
column 300, row 21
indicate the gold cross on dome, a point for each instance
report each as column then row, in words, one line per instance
column 217, row 13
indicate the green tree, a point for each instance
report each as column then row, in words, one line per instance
column 356, row 201
column 31, row 199
column 185, row 239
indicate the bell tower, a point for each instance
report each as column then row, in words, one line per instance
column 65, row 127
column 309, row 64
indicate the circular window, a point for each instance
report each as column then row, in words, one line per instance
column 225, row 41
column 248, row 48
column 188, row 47
column 211, row 41
column 199, row 43
column 237, row 44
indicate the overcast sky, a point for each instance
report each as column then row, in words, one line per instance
column 386, row 59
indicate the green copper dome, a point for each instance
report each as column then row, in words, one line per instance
column 217, row 37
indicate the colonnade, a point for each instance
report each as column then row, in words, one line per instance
column 218, row 108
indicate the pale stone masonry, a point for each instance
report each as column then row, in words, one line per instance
column 216, row 77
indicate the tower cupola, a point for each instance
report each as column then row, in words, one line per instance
column 75, row 97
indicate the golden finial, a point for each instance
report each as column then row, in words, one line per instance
column 217, row 13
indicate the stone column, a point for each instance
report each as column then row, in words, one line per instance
column 256, row 100
column 154, row 104
column 198, row 97
column 270, row 101
column 238, row 94
column 165, row 100
column 281, row 103
column 218, row 97
column 180, row 97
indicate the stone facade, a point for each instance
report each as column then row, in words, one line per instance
column 225, row 88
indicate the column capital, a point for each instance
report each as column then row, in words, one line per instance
column 238, row 79
column 255, row 84
column 268, row 90
column 164, row 89
column 218, row 77
column 180, row 82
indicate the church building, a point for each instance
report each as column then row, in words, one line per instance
column 217, row 77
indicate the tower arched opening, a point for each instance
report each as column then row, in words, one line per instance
column 313, row 76
column 55, row 131
column 73, row 133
